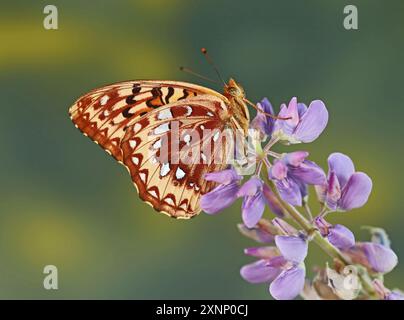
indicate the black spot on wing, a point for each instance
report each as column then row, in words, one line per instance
column 156, row 100
column 131, row 99
column 126, row 113
column 169, row 94
column 136, row 88
column 186, row 94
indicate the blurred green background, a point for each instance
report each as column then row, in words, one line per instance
column 63, row 201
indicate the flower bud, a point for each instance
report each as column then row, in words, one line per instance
column 263, row 231
column 382, row 259
column 262, row 252
column 283, row 227
column 338, row 235
column 373, row 256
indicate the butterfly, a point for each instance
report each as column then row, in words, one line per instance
column 131, row 119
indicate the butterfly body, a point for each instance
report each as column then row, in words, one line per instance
column 131, row 120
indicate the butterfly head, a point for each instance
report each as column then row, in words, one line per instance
column 236, row 95
column 234, row 90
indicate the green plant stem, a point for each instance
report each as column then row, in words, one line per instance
column 307, row 210
column 313, row 232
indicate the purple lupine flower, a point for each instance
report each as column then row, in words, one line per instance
column 261, row 122
column 382, row 259
column 386, row 294
column 290, row 281
column 259, row 272
column 345, row 189
column 262, row 252
column 263, row 231
column 338, row 235
column 374, row 256
column 283, row 227
column 224, row 194
column 305, row 124
column 229, row 190
column 292, row 173
column 253, row 201
column 285, row 271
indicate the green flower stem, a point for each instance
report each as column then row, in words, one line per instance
column 313, row 232
column 306, row 208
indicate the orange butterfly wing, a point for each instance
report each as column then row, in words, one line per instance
column 104, row 113
column 172, row 181
column 123, row 118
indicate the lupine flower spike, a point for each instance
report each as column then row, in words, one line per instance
column 281, row 183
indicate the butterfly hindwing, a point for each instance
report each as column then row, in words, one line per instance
column 170, row 175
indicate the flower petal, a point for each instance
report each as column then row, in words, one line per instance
column 219, row 198
column 293, row 248
column 333, row 191
column 342, row 166
column 312, row 123
column 223, row 177
column 381, row 258
column 304, row 191
column 267, row 107
column 292, row 113
column 251, row 187
column 283, row 112
column 309, row 173
column 262, row 252
column 259, row 272
column 289, row 191
column 278, row 171
column 288, row 284
column 341, row 237
column 259, row 123
column 262, row 122
column 279, row 125
column 356, row 192
column 257, row 233
column 301, row 109
column 273, row 203
column 285, row 128
column 252, row 209
column 277, row 262
column 283, row 227
column 296, row 158
column 322, row 225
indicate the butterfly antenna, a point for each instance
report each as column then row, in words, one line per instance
column 210, row 61
column 265, row 113
column 190, row 71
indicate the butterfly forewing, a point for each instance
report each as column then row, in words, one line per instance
column 104, row 113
